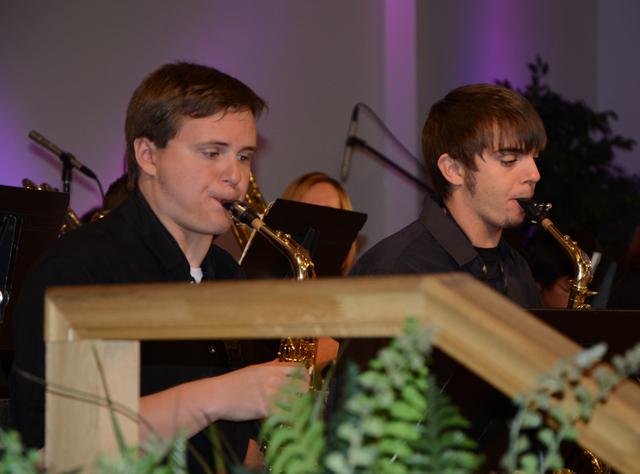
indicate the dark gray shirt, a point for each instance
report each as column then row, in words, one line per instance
column 435, row 244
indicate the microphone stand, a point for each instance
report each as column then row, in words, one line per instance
column 67, row 167
column 359, row 143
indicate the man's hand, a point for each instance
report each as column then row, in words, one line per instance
column 240, row 395
column 249, row 393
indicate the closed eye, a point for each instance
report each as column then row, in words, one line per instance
column 508, row 163
column 211, row 153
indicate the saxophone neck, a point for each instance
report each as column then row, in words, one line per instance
column 254, row 199
column 298, row 257
column 581, row 261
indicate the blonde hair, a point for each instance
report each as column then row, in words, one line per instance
column 296, row 190
column 299, row 186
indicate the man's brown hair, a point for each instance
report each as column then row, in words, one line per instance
column 175, row 91
column 475, row 118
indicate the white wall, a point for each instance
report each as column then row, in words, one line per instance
column 465, row 41
column 69, row 67
column 590, row 45
column 618, row 81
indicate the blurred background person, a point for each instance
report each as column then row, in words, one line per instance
column 624, row 292
column 553, row 269
column 116, row 195
column 322, row 190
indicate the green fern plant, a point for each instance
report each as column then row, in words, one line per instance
column 293, row 434
column 387, row 423
column 157, row 456
column 383, row 417
column 541, row 404
column 443, row 438
column 15, row 458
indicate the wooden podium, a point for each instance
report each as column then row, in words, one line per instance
column 491, row 336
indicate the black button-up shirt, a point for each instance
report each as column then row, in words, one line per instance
column 130, row 245
column 435, row 244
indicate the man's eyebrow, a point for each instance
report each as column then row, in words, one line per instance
column 225, row 145
column 213, row 143
column 512, row 150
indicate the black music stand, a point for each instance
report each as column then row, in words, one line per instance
column 327, row 234
column 30, row 221
column 618, row 328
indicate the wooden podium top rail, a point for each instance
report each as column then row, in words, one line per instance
column 483, row 330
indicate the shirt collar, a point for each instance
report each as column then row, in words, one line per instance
column 446, row 231
column 157, row 238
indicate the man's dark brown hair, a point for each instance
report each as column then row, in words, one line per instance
column 475, row 118
column 179, row 90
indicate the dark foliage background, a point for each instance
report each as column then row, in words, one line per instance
column 588, row 191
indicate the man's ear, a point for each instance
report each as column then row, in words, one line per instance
column 145, row 151
column 451, row 169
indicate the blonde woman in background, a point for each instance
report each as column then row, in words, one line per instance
column 322, row 190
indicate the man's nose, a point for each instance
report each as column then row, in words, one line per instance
column 233, row 172
column 532, row 175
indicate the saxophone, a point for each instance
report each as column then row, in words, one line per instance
column 536, row 212
column 291, row 349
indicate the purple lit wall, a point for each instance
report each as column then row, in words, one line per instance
column 463, row 41
column 619, row 72
column 67, row 69
column 400, row 74
column 589, row 45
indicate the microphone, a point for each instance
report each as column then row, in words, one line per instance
column 351, row 141
column 66, row 157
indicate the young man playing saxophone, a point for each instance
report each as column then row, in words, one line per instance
column 480, row 143
column 190, row 134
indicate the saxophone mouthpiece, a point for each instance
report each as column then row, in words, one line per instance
column 241, row 212
column 535, row 211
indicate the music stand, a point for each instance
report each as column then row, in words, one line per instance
column 618, row 328
column 30, row 221
column 327, row 233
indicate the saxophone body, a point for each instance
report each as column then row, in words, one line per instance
column 536, row 212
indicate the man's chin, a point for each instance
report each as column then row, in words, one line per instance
column 214, row 227
column 514, row 221
column 220, row 229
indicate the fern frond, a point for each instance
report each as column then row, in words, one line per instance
column 294, row 433
column 443, row 444
column 380, row 426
